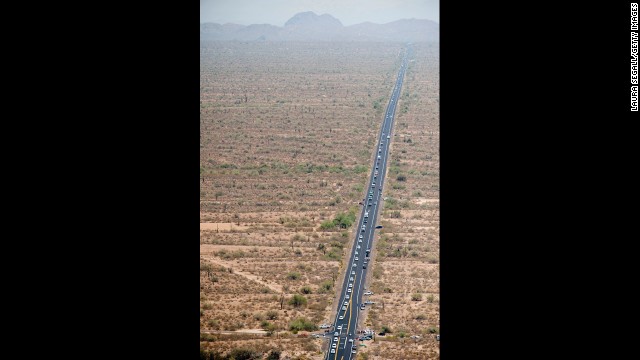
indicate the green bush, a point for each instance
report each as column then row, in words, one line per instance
column 302, row 324
column 293, row 276
column 345, row 220
column 298, row 300
column 327, row 225
column 326, row 285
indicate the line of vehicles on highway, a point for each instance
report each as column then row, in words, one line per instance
column 339, row 328
column 348, row 297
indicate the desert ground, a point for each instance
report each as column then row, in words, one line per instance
column 288, row 133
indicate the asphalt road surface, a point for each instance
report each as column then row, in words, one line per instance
column 344, row 335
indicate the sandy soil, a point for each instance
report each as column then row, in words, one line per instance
column 234, row 264
column 222, row 226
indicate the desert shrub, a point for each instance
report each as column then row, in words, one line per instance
column 416, row 297
column 274, row 354
column 402, row 178
column 207, row 306
column 359, row 169
column 258, row 316
column 211, row 355
column 310, row 347
column 305, row 290
column 430, row 298
column 272, row 314
column 270, row 328
column 244, row 354
column 387, row 290
column 213, row 323
column 333, row 255
column 293, row 276
column 302, row 324
column 421, row 317
column 434, row 330
column 345, row 220
column 386, row 329
column 327, row 225
column 207, row 337
column 298, row 300
column 326, row 285
column 234, row 326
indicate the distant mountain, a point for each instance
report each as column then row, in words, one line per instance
column 306, row 26
column 310, row 18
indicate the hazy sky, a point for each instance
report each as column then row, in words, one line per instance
column 349, row 12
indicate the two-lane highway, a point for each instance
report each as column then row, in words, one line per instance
column 343, row 341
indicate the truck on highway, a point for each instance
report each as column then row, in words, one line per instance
column 366, row 214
